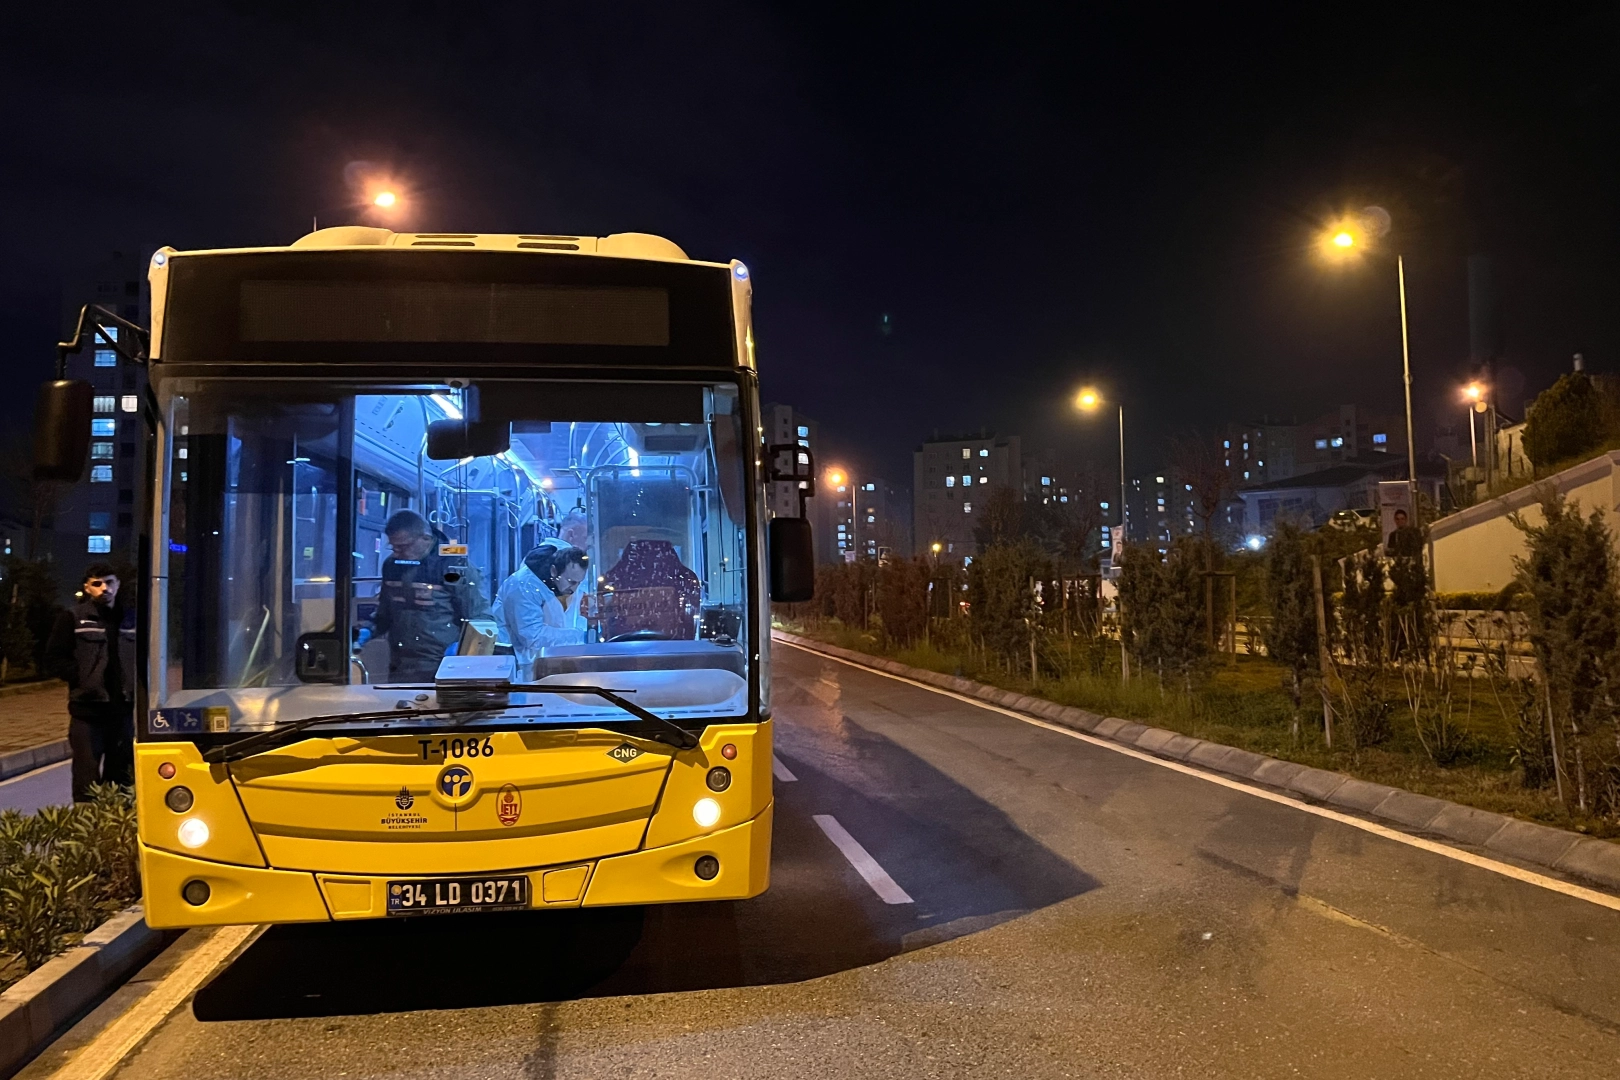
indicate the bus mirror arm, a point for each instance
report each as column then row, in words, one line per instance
column 62, row 412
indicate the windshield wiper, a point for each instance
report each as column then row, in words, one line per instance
column 668, row 731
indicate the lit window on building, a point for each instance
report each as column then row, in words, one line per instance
column 804, row 432
column 1338, row 441
column 100, row 520
column 129, row 403
column 101, row 474
column 1158, row 479
column 967, row 508
column 103, row 403
column 950, row 481
column 1321, row 444
column 106, row 358
column 98, row 544
column 966, row 453
column 1380, row 439
column 967, row 481
column 101, row 451
column 1103, row 505
column 984, row 479
column 1245, row 475
column 1063, row 498
column 1046, row 481
column 181, row 454
column 104, row 428
column 1261, row 464
column 984, row 453
column 1226, row 444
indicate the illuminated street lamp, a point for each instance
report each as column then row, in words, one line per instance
column 385, row 200
column 1349, row 238
column 1474, row 395
column 1089, row 400
column 838, row 478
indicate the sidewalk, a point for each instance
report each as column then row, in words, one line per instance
column 33, row 747
column 32, row 714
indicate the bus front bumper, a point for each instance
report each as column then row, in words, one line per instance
column 661, row 875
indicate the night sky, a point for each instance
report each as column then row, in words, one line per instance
column 1031, row 197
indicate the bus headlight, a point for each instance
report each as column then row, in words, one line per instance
column 194, row 831
column 705, row 812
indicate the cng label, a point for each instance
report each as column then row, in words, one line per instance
column 509, row 805
column 625, row 752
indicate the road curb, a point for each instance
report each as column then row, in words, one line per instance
column 18, row 762
column 1596, row 861
column 44, row 1003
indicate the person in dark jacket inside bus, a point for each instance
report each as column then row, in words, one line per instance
column 425, row 598
column 92, row 647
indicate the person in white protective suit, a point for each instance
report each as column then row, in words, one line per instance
column 534, row 602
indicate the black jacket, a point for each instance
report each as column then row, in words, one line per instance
column 421, row 606
column 81, row 652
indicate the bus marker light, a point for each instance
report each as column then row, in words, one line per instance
column 196, row 893
column 728, row 751
column 194, row 832
column 706, row 812
column 178, row 799
column 707, row 867
column 166, row 770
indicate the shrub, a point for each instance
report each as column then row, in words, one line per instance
column 1569, row 579
column 63, row 871
column 1565, row 421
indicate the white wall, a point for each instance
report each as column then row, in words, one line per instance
column 1474, row 549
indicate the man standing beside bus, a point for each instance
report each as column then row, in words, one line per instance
column 92, row 648
column 425, row 598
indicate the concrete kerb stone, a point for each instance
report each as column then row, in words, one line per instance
column 1467, row 824
column 1359, row 794
column 1531, row 842
column 26, row 760
column 1410, row 808
column 40, row 1006
column 1316, row 783
column 1181, row 746
column 1586, row 857
column 1595, row 860
column 1277, row 773
column 1154, row 739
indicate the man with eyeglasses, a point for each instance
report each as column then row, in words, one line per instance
column 424, row 599
column 92, row 648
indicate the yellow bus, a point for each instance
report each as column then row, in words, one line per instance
column 455, row 577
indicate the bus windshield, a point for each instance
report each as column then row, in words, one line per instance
column 326, row 550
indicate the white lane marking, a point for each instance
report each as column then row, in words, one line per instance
column 120, row 1038
column 866, row 866
column 782, row 772
column 1529, row 877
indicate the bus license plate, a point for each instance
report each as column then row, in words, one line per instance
column 449, row 896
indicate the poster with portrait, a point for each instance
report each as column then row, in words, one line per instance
column 1394, row 512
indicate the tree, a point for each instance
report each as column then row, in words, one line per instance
column 1569, row 578
column 1002, row 611
column 1163, row 604
column 902, row 599
column 1565, row 421
column 1001, row 518
column 1290, row 587
column 1195, row 463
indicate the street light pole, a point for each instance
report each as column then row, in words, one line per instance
column 1122, row 526
column 1406, row 368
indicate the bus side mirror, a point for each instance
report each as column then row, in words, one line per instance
column 793, row 560
column 453, row 440
column 61, row 429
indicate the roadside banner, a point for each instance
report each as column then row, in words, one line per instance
column 1394, row 511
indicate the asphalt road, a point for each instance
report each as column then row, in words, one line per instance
column 1032, row 905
